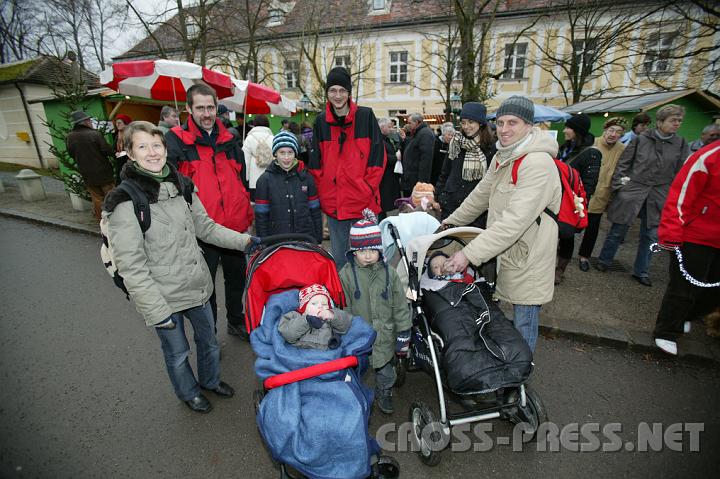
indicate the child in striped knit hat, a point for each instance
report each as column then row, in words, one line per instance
column 286, row 199
column 374, row 292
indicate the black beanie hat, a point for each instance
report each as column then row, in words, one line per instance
column 579, row 123
column 473, row 110
column 338, row 76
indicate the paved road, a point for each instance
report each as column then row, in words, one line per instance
column 85, row 394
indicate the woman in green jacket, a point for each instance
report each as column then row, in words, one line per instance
column 163, row 268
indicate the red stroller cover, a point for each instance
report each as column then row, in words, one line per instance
column 288, row 265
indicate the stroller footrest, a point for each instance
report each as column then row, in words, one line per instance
column 310, row 372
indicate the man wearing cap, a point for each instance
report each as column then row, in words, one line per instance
column 347, row 160
column 91, row 153
column 205, row 151
column 418, row 155
column 520, row 233
column 611, row 148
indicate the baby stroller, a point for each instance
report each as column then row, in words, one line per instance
column 306, row 394
column 462, row 339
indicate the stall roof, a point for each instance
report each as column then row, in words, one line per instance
column 633, row 103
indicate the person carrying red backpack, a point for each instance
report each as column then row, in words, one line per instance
column 520, row 233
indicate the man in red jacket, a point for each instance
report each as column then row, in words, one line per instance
column 691, row 223
column 204, row 150
column 347, row 161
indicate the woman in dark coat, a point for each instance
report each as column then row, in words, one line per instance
column 467, row 160
column 578, row 152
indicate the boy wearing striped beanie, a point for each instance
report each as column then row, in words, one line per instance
column 374, row 292
column 286, row 199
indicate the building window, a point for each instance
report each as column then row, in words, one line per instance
column 456, row 63
column 192, row 29
column 658, row 52
column 515, row 61
column 379, row 4
column 398, row 67
column 275, row 17
column 395, row 113
column 584, row 51
column 292, row 73
column 343, row 61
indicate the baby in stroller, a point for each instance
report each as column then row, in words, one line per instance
column 316, row 324
column 308, row 392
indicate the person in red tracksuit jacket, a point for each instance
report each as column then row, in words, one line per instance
column 347, row 161
column 691, row 222
column 205, row 151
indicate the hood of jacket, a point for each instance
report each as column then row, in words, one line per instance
column 537, row 142
column 331, row 118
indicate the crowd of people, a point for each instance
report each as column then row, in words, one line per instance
column 350, row 168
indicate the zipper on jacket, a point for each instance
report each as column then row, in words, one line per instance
column 222, row 204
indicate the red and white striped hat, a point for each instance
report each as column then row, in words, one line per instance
column 365, row 233
column 306, row 294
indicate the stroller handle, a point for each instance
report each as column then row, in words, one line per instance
column 274, row 239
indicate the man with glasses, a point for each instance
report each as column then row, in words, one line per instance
column 347, row 161
column 204, row 150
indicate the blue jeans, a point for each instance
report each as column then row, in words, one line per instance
column 339, row 239
column 526, row 319
column 176, row 351
column 616, row 235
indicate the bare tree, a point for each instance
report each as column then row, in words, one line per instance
column 586, row 41
column 17, row 30
column 684, row 34
column 190, row 29
column 104, row 20
column 475, row 20
column 240, row 52
column 328, row 38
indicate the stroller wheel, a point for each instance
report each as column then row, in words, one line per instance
column 387, row 468
column 400, row 371
column 426, row 433
column 531, row 416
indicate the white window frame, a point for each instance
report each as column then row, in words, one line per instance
column 379, row 4
column 398, row 67
column 457, row 72
column 343, row 60
column 658, row 48
column 192, row 29
column 582, row 48
column 292, row 74
column 276, row 16
column 515, row 61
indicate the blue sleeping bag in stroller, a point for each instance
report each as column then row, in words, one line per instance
column 319, row 426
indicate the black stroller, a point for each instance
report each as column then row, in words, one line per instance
column 483, row 371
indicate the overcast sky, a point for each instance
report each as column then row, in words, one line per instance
column 134, row 31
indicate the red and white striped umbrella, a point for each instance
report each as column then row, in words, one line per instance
column 255, row 98
column 165, row 80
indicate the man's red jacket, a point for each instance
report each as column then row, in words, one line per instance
column 217, row 171
column 692, row 209
column 347, row 161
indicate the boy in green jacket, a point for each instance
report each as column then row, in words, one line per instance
column 374, row 292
